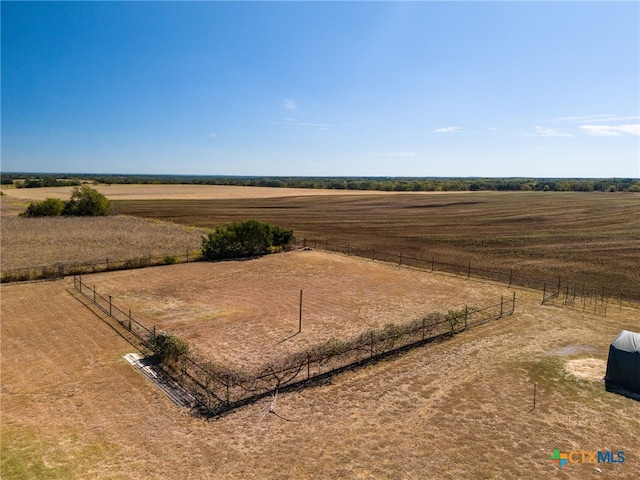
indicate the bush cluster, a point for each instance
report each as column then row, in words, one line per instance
column 84, row 201
column 245, row 239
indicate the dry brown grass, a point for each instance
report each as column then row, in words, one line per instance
column 29, row 242
column 176, row 192
column 72, row 408
column 236, row 313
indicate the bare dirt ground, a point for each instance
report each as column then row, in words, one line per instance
column 73, row 408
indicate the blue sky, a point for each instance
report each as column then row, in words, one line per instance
column 532, row 89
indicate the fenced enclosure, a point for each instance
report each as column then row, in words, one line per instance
column 217, row 389
column 588, row 297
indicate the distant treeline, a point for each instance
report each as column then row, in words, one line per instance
column 389, row 184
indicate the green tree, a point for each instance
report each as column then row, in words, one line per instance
column 86, row 201
column 245, row 239
column 169, row 348
column 50, row 207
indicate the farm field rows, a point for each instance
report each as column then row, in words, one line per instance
column 592, row 239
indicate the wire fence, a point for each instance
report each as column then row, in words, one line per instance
column 571, row 295
column 60, row 270
column 217, row 389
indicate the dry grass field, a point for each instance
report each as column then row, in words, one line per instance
column 236, row 313
column 71, row 407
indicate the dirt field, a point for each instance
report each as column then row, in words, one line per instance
column 73, row 408
column 592, row 239
column 175, row 192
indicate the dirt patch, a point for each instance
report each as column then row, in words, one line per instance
column 587, row 368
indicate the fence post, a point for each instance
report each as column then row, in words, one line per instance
column 109, row 304
column 513, row 305
column 80, row 281
column 432, row 262
column 558, row 286
column 469, row 271
column 400, row 260
column 466, row 316
column 510, row 278
column 94, row 293
column 501, row 304
column 371, row 345
column 129, row 319
column 544, row 292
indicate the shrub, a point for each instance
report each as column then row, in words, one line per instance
column 245, row 239
column 86, row 201
column 50, row 207
column 169, row 348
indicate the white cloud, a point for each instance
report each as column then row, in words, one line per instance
column 290, row 104
column 546, row 132
column 611, row 130
column 447, row 130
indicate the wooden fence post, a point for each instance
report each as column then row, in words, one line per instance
column 510, row 278
column 432, row 262
column 469, row 271
column 109, row 304
column 371, row 345
column 466, row 316
column 129, row 319
column 94, row 293
column 501, row 304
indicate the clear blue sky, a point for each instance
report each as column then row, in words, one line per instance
column 535, row 89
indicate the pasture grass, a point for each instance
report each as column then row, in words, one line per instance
column 31, row 242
